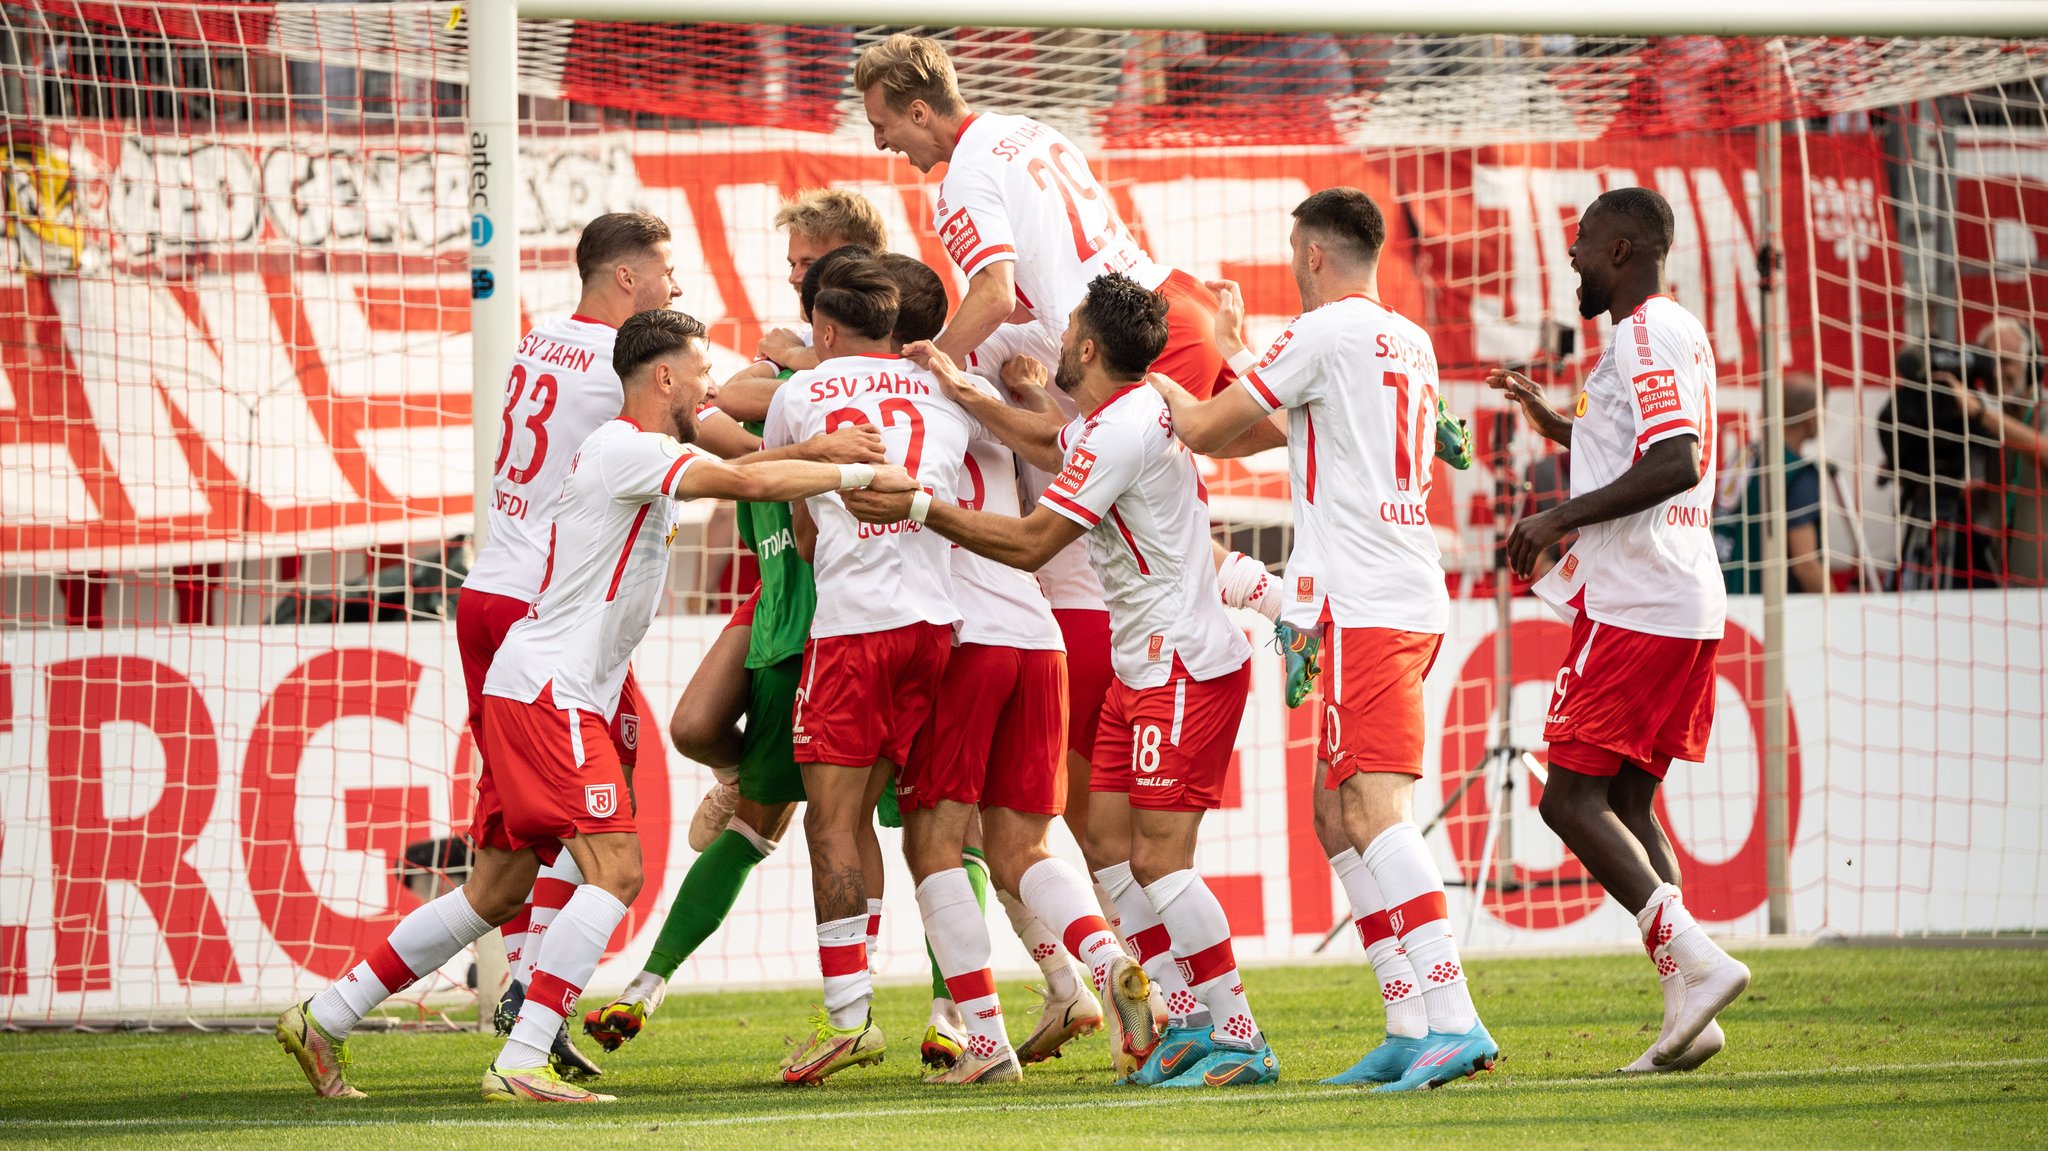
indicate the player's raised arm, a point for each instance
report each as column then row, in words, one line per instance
column 1549, row 423
column 1033, row 433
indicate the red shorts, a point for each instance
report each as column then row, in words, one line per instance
column 481, row 620
column 1627, row 696
column 997, row 737
column 549, row 774
column 864, row 697
column 1169, row 746
column 1191, row 358
column 1089, row 673
column 1371, row 718
column 743, row 615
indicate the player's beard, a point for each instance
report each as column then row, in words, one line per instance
column 1068, row 376
column 1593, row 301
column 686, row 424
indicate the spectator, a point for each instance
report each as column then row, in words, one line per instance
column 1741, row 507
column 2014, row 352
column 1940, row 456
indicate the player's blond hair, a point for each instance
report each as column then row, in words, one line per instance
column 833, row 213
column 910, row 68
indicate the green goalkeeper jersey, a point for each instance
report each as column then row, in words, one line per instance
column 789, row 595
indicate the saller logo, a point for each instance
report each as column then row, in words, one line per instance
column 1656, row 393
column 1076, row 472
column 962, row 238
column 1273, row 353
column 599, row 799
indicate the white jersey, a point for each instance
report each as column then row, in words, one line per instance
column 872, row 578
column 999, row 605
column 1134, row 486
column 1017, row 190
column 607, row 563
column 1655, row 571
column 1067, row 579
column 562, row 388
column 1359, row 384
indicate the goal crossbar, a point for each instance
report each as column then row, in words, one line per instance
column 2018, row 18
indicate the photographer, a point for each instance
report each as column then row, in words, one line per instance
column 2013, row 348
column 1941, row 441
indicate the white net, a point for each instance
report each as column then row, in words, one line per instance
column 235, row 469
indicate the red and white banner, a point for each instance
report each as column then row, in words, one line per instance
column 206, row 820
column 258, row 345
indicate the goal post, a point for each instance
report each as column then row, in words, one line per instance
column 263, row 267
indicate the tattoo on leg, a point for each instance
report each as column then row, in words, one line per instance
column 841, row 891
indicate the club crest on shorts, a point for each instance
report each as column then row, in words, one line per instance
column 1154, row 646
column 629, row 731
column 600, row 799
column 1305, row 589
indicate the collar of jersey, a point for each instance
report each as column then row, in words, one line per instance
column 580, row 318
column 1361, row 296
column 1119, row 394
column 629, row 423
column 964, row 125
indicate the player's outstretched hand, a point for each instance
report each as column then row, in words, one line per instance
column 1530, row 539
column 849, row 444
column 1165, row 386
column 1229, row 316
column 777, row 343
column 875, row 507
column 1547, row 421
column 892, row 478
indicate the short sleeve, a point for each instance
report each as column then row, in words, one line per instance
column 639, row 467
column 778, row 428
column 1663, row 382
column 1100, row 467
column 972, row 221
column 1285, row 376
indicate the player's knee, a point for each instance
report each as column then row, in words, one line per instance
column 690, row 733
column 1557, row 807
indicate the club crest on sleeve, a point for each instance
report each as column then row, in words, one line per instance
column 1079, row 463
column 600, row 799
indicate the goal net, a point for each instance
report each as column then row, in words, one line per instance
column 236, row 472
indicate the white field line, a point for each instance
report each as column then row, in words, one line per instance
column 1143, row 1099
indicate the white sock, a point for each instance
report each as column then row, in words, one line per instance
column 575, row 944
column 1245, row 582
column 1151, row 944
column 552, row 889
column 1400, row 991
column 1060, row 896
column 958, row 935
column 514, row 934
column 874, row 930
column 1052, row 959
column 1201, row 943
column 427, row 937
column 843, row 958
column 1679, row 939
column 1414, row 892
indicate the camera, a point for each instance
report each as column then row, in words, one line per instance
column 1918, row 364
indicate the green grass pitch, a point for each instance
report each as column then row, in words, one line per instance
column 1832, row 1047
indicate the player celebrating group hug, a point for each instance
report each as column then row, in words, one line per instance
column 902, row 475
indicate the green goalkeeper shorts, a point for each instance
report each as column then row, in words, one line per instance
column 768, row 770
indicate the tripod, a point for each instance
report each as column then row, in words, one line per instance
column 1504, row 762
